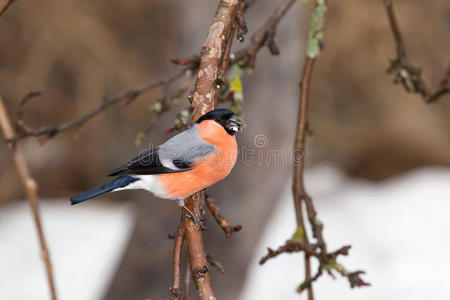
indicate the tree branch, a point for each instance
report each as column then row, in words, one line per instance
column 289, row 247
column 409, row 76
column 30, row 186
column 299, row 151
column 197, row 255
column 215, row 263
column 264, row 36
column 221, row 221
column 203, row 101
column 129, row 95
column 300, row 241
column 175, row 290
column 187, row 283
column 226, row 56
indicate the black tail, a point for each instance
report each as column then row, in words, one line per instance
column 119, row 182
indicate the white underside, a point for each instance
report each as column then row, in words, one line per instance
column 150, row 183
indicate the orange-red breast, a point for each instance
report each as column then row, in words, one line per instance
column 185, row 164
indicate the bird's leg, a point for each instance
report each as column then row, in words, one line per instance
column 192, row 216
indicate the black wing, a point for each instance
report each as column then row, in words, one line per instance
column 148, row 163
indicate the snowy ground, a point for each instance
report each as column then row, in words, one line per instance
column 86, row 243
column 399, row 230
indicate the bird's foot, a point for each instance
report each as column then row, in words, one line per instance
column 193, row 217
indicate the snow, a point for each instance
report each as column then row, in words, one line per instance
column 398, row 229
column 85, row 242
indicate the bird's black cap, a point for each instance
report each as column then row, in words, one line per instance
column 225, row 117
column 216, row 115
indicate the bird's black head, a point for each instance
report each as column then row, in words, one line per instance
column 225, row 117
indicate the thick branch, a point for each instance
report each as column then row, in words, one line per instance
column 226, row 56
column 187, row 283
column 30, row 187
column 203, row 101
column 405, row 73
column 212, row 55
column 197, row 255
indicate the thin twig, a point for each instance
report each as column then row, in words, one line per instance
column 407, row 74
column 215, row 263
column 299, row 192
column 4, row 4
column 24, row 101
column 162, row 106
column 300, row 241
column 299, row 150
column 223, row 223
column 226, row 56
column 187, row 283
column 264, row 36
column 308, row 281
column 326, row 260
column 30, row 186
column 129, row 95
column 288, row 247
column 248, row 54
column 175, row 291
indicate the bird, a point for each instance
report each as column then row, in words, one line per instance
column 187, row 163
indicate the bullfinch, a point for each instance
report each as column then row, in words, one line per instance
column 185, row 164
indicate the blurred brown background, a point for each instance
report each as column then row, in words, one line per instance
column 76, row 52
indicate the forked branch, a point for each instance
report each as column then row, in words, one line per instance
column 300, row 242
column 408, row 75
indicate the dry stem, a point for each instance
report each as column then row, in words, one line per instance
column 299, row 150
column 129, row 95
column 175, row 290
column 408, row 75
column 30, row 187
column 300, row 241
column 221, row 221
column 264, row 36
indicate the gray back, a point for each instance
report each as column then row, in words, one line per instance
column 186, row 146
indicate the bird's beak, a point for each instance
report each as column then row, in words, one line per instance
column 235, row 124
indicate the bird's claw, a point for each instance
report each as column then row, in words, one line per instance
column 196, row 220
